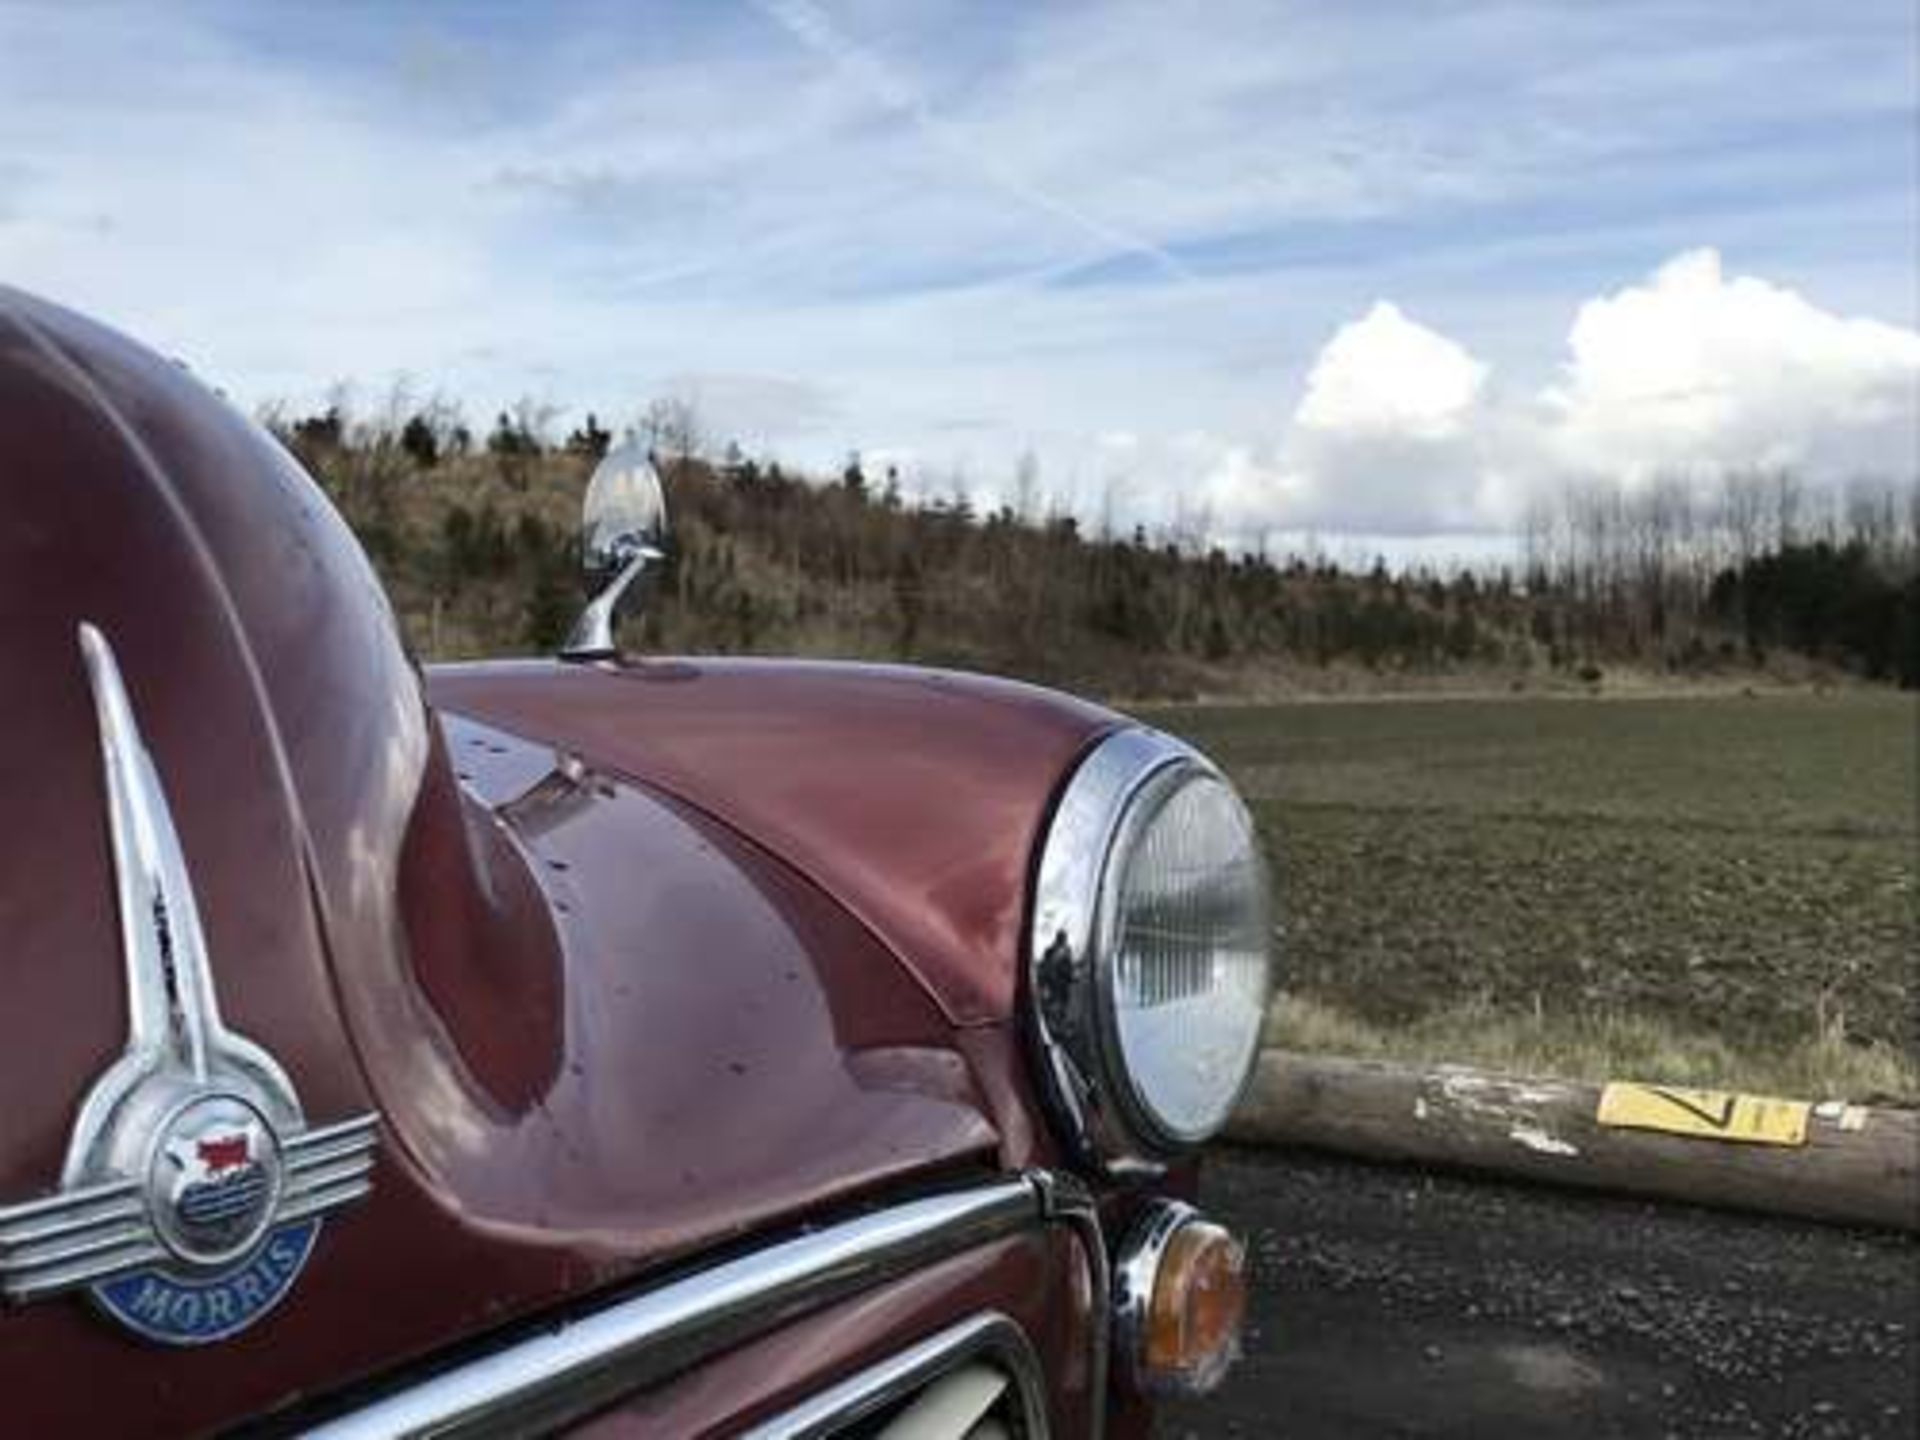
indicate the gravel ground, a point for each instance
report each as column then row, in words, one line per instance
column 1394, row 1302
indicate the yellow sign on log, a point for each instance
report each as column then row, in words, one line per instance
column 1706, row 1114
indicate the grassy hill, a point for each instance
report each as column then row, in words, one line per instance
column 477, row 549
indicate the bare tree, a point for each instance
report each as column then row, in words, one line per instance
column 1026, row 487
column 1873, row 516
column 1742, row 516
column 1789, row 498
column 670, row 426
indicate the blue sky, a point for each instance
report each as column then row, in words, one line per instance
column 1380, row 269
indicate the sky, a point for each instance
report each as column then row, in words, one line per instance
column 1389, row 270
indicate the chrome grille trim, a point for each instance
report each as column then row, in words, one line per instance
column 588, row 1362
column 990, row 1336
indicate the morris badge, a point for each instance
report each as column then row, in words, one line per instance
column 193, row 1186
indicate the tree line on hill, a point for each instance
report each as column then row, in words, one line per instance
column 474, row 537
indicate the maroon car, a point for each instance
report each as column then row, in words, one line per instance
column 611, row 1044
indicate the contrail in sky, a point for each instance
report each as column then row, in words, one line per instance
column 812, row 27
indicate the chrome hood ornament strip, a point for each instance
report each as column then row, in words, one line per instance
column 193, row 1185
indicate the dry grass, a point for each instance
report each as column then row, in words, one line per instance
column 1597, row 1047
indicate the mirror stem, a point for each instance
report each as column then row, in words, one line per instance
column 592, row 635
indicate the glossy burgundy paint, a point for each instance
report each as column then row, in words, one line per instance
column 915, row 797
column 727, row 1044
column 607, row 1023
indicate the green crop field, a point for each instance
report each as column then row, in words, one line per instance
column 1715, row 889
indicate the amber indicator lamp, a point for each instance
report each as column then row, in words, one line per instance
column 1182, row 1296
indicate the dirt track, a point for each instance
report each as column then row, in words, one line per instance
column 1395, row 1303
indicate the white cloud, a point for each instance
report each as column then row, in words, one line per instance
column 1384, row 374
column 1390, row 436
column 1696, row 370
column 1399, row 432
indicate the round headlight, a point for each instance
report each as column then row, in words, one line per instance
column 1185, row 990
column 1150, row 959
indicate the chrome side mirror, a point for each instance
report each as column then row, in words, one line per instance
column 623, row 532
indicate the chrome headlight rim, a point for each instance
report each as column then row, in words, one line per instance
column 1090, row 1090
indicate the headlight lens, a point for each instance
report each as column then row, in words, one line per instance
column 1151, row 968
column 1189, row 966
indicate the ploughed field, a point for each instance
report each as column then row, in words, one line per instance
column 1726, row 884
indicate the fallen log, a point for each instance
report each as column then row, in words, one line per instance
column 1827, row 1162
